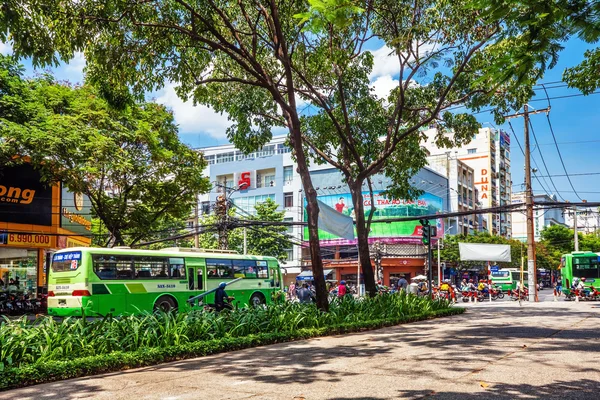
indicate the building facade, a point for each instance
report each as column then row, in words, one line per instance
column 488, row 154
column 36, row 220
column 251, row 179
column 542, row 218
column 271, row 173
column 461, row 195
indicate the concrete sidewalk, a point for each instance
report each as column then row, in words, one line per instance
column 501, row 351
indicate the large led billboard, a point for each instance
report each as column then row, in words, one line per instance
column 386, row 232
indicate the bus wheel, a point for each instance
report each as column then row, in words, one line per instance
column 165, row 303
column 257, row 299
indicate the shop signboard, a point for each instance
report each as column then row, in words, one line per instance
column 75, row 212
column 14, row 239
column 386, row 207
column 23, row 198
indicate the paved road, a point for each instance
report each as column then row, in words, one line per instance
column 494, row 351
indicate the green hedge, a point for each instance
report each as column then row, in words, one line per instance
column 32, row 374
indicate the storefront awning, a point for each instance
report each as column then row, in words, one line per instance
column 291, row 270
column 308, row 275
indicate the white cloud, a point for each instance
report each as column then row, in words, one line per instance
column 5, row 48
column 194, row 119
column 383, row 85
column 385, row 62
column 77, row 64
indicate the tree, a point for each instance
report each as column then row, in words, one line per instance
column 262, row 239
column 270, row 240
column 271, row 56
column 558, row 237
column 129, row 161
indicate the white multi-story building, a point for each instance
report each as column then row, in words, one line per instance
column 488, row 154
column 588, row 219
column 542, row 218
column 251, row 179
column 461, row 195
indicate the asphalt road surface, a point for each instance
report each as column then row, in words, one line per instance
column 497, row 350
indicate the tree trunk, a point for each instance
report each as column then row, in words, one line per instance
column 312, row 209
column 362, row 235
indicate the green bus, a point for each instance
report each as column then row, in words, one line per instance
column 507, row 278
column 577, row 265
column 101, row 281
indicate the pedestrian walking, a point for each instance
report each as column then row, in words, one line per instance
column 402, row 283
column 305, row 295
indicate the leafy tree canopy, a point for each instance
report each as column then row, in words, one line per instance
column 128, row 161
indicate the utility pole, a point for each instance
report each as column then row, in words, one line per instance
column 196, row 234
column 531, row 267
column 576, row 238
column 439, row 263
column 221, row 211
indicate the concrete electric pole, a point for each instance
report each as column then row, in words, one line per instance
column 531, row 267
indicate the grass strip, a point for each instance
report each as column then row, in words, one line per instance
column 52, row 371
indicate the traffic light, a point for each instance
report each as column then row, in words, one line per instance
column 426, row 237
column 428, row 232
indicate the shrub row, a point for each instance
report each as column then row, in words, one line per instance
column 43, row 372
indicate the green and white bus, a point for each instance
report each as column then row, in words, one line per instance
column 579, row 264
column 507, row 278
column 100, row 281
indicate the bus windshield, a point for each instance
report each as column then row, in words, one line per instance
column 68, row 261
column 585, row 267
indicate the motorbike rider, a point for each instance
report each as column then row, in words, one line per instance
column 583, row 290
column 221, row 298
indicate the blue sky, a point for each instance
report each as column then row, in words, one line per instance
column 575, row 121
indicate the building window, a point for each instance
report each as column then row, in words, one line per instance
column 471, row 151
column 210, row 159
column 269, row 180
column 288, row 173
column 205, row 207
column 282, row 149
column 290, row 255
column 225, row 157
column 246, row 204
column 288, row 200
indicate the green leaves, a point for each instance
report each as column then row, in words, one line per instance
column 328, row 13
column 128, row 160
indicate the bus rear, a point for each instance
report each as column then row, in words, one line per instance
column 68, row 288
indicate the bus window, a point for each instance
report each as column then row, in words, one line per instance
column 177, row 268
column 218, row 268
column 261, row 269
column 245, row 269
column 150, row 267
column 112, row 266
column 190, row 278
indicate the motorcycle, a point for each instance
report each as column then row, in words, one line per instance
column 514, row 295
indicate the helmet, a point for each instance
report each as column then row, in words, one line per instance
column 471, row 280
column 342, row 282
column 379, row 282
column 222, row 285
column 583, row 279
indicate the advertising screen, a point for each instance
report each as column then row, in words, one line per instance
column 394, row 232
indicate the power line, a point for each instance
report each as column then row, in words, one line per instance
column 561, row 159
column 533, row 159
column 543, row 160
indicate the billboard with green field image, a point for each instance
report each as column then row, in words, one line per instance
column 394, row 232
